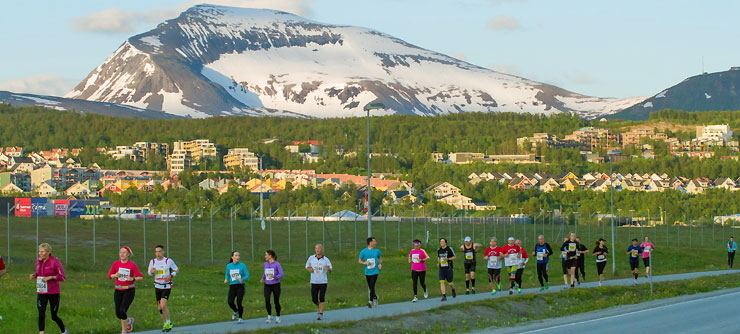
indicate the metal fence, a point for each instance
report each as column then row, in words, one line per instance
column 208, row 237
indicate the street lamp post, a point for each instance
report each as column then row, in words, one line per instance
column 368, row 191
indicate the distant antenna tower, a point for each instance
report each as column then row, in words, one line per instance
column 702, row 65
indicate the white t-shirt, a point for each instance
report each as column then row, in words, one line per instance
column 319, row 274
column 163, row 270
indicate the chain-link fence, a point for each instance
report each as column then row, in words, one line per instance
column 208, row 236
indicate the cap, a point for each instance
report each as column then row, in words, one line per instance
column 468, row 239
column 511, row 239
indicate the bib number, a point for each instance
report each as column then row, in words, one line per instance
column 493, row 261
column 235, row 275
column 540, row 256
column 443, row 262
column 469, row 255
column 634, row 253
column 41, row 286
column 318, row 269
column 270, row 274
column 571, row 247
column 161, row 272
column 600, row 257
column 371, row 263
column 511, row 260
column 415, row 258
column 124, row 274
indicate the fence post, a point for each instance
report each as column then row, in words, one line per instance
column 231, row 225
column 190, row 236
column 66, row 238
column 323, row 228
column 167, row 230
column 290, row 217
column 37, row 229
column 143, row 252
column 118, row 220
column 306, row 234
column 339, row 228
column 211, row 234
column 251, row 233
column 8, row 220
column 94, row 245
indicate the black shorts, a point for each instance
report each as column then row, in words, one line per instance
column 564, row 264
column 634, row 264
column 493, row 273
column 318, row 293
column 600, row 267
column 445, row 274
column 469, row 267
column 646, row 261
column 571, row 263
column 162, row 293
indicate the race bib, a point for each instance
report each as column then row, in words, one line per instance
column 415, row 258
column 161, row 272
column 468, row 255
column 600, row 257
column 124, row 274
column 318, row 269
column 371, row 263
column 493, row 261
column 41, row 286
column 634, row 253
column 511, row 260
column 235, row 275
column 443, row 261
column 647, row 249
column 571, row 247
column 270, row 274
column 540, row 256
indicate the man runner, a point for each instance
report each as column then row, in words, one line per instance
column 634, row 251
column 522, row 264
column 163, row 269
column 582, row 251
column 445, row 256
column 319, row 266
column 493, row 255
column 542, row 251
column 469, row 250
column 370, row 258
column 731, row 249
column 512, row 257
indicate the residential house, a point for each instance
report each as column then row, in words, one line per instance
column 443, row 189
column 9, row 189
column 78, row 190
column 46, row 190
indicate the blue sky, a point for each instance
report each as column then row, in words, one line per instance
column 601, row 48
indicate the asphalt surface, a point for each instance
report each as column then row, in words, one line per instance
column 712, row 312
column 363, row 313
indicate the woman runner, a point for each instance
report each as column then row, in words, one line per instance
column 418, row 259
column 600, row 252
column 235, row 275
column 125, row 273
column 271, row 277
column 49, row 273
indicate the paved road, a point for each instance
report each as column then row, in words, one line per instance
column 712, row 312
column 362, row 313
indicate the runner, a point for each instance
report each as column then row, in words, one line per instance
column 634, row 251
column 564, row 264
column 543, row 251
column 469, row 250
column 125, row 273
column 731, row 249
column 370, row 257
column 49, row 272
column 418, row 259
column 2, row 266
column 570, row 247
column 512, row 257
column 445, row 256
column 164, row 270
column 492, row 254
column 235, row 275
column 273, row 273
column 582, row 251
column 522, row 265
column 319, row 266
column 647, row 250
column 600, row 251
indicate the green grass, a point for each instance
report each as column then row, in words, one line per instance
column 515, row 310
column 199, row 296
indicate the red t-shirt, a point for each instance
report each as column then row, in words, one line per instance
column 510, row 249
column 525, row 255
column 126, row 274
column 492, row 251
column 2, row 263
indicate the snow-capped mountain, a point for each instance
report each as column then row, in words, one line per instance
column 214, row 60
column 705, row 92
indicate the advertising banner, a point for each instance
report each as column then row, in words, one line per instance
column 60, row 207
column 23, row 207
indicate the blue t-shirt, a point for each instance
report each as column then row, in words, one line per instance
column 236, row 273
column 634, row 252
column 542, row 252
column 372, row 256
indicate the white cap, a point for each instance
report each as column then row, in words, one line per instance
column 511, row 239
column 468, row 239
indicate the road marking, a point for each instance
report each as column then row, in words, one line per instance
column 630, row 313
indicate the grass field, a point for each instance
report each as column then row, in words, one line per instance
column 199, row 295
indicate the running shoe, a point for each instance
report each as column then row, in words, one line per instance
column 542, row 288
column 519, row 290
column 130, row 325
column 498, row 286
column 472, row 291
column 467, row 292
column 369, row 304
column 454, row 294
column 239, row 320
column 277, row 320
column 444, row 299
column 426, row 294
column 269, row 319
column 234, row 316
column 320, row 316
column 547, row 286
column 493, row 292
column 415, row 299
column 511, row 292
column 375, row 302
column 167, row 327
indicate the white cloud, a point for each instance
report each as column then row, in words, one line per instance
column 39, row 84
column 504, row 23
column 118, row 21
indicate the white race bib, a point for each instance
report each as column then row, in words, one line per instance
column 161, row 272
column 511, row 260
column 416, row 258
column 647, row 249
column 318, row 269
column 269, row 274
column 41, row 286
column 235, row 275
column 571, row 247
column 124, row 274
column 493, row 261
column 371, row 263
column 443, row 262
column 540, row 256
column 600, row 257
column 634, row 253
column 468, row 255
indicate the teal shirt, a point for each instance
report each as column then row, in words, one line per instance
column 372, row 256
column 236, row 271
column 731, row 246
